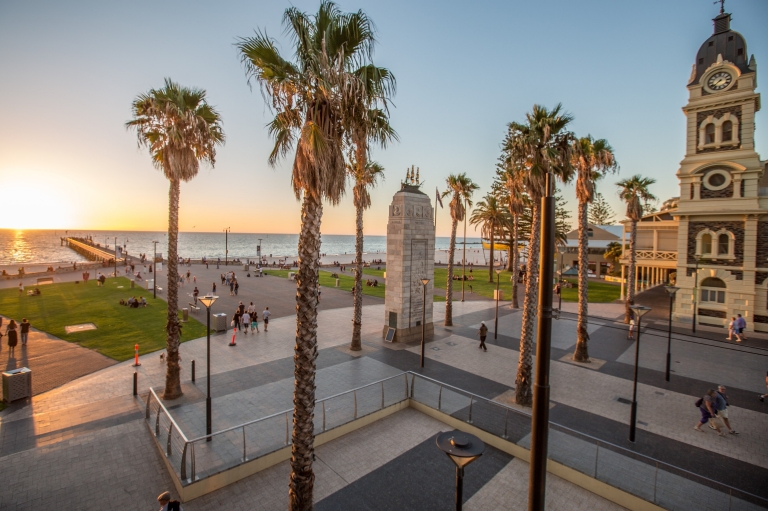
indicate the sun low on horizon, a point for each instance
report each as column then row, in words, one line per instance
column 35, row 206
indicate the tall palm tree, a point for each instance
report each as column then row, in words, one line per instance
column 634, row 192
column 180, row 129
column 540, row 145
column 490, row 215
column 364, row 179
column 592, row 159
column 460, row 188
column 516, row 203
column 310, row 97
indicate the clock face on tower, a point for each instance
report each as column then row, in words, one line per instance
column 720, row 81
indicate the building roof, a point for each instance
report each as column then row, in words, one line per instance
column 726, row 42
column 610, row 234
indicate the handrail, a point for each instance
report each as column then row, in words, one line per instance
column 290, row 410
column 167, row 413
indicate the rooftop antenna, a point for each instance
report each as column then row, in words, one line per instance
column 722, row 5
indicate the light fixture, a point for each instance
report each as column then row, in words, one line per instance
column 463, row 449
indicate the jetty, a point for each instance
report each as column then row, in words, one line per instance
column 86, row 248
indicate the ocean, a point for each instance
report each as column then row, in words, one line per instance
column 44, row 246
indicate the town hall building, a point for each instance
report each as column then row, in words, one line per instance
column 714, row 244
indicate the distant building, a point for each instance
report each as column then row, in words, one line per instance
column 599, row 237
column 715, row 241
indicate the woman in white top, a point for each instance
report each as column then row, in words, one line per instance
column 731, row 328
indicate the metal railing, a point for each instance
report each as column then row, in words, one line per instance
column 653, row 480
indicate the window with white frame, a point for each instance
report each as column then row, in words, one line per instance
column 712, row 291
column 715, row 245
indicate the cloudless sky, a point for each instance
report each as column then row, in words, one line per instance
column 69, row 71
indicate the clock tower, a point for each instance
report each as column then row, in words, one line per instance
column 722, row 252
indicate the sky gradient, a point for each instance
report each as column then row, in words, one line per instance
column 464, row 70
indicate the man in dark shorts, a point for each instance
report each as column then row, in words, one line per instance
column 265, row 315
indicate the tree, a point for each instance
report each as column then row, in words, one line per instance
column 310, row 97
column 591, row 159
column 562, row 219
column 460, row 188
column 600, row 212
column 364, row 179
column 540, row 145
column 508, row 185
column 613, row 254
column 490, row 215
column 634, row 192
column 180, row 129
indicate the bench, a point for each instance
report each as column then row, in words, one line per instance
column 194, row 308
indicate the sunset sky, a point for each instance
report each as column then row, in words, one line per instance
column 464, row 70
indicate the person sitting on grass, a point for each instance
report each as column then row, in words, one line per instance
column 142, row 301
column 375, row 283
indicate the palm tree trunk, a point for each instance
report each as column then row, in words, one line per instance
column 523, row 390
column 490, row 266
column 449, row 280
column 515, row 261
column 581, row 354
column 357, row 320
column 305, row 353
column 631, row 274
column 172, row 327
column 510, row 260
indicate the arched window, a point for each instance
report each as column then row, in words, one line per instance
column 706, row 244
column 709, row 134
column 723, row 244
column 727, row 131
column 712, row 291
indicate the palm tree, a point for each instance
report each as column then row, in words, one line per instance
column 180, row 129
column 634, row 191
column 613, row 254
column 516, row 203
column 540, row 145
column 592, row 159
column 364, row 178
column 490, row 215
column 461, row 188
column 310, row 97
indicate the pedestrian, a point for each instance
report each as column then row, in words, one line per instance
column 483, row 332
column 213, row 288
column 762, row 397
column 251, row 309
column 218, row 261
column 741, row 325
column 24, row 331
column 245, row 322
column 236, row 319
column 166, row 504
column 195, row 293
column 21, row 288
column 318, row 294
column 708, row 413
column 254, row 322
column 721, row 407
column 223, row 279
column 631, row 334
column 265, row 316
column 731, row 328
column 194, row 279
column 231, row 288
column 237, row 286
column 12, row 334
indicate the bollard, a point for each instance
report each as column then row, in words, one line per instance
column 233, row 343
column 193, row 370
column 136, row 356
column 135, row 383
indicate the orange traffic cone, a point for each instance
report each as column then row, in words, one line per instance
column 233, row 343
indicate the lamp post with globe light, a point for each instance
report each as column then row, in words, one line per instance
column 208, row 302
column 639, row 311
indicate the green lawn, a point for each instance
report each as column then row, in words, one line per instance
column 599, row 292
column 374, row 272
column 118, row 328
column 480, row 285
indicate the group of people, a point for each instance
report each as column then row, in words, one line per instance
column 372, row 283
column 134, row 303
column 465, row 277
column 230, row 280
column 714, row 411
column 12, row 331
column 245, row 318
column 736, row 328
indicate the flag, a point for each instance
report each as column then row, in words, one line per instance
column 437, row 197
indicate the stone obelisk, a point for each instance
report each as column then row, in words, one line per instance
column 410, row 258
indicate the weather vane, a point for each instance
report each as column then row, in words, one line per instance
column 722, row 5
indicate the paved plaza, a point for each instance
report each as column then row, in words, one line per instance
column 91, row 433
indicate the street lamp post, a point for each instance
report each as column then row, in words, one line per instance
column 496, row 321
column 639, row 311
column 464, row 253
column 424, row 283
column 463, row 449
column 671, row 290
column 226, row 246
column 695, row 292
column 258, row 251
column 154, row 265
column 560, row 280
column 208, row 302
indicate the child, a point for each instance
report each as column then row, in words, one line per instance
column 254, row 322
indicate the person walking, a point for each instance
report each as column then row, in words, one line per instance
column 483, row 332
column 251, row 309
column 731, row 328
column 741, row 325
column 721, row 407
column 195, row 294
column 223, row 279
column 254, row 322
column 236, row 319
column 237, row 286
column 245, row 322
column 213, row 288
column 166, row 504
column 707, row 408
column 265, row 316
column 762, row 397
column 24, row 331
column 13, row 336
column 631, row 334
column 231, row 288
